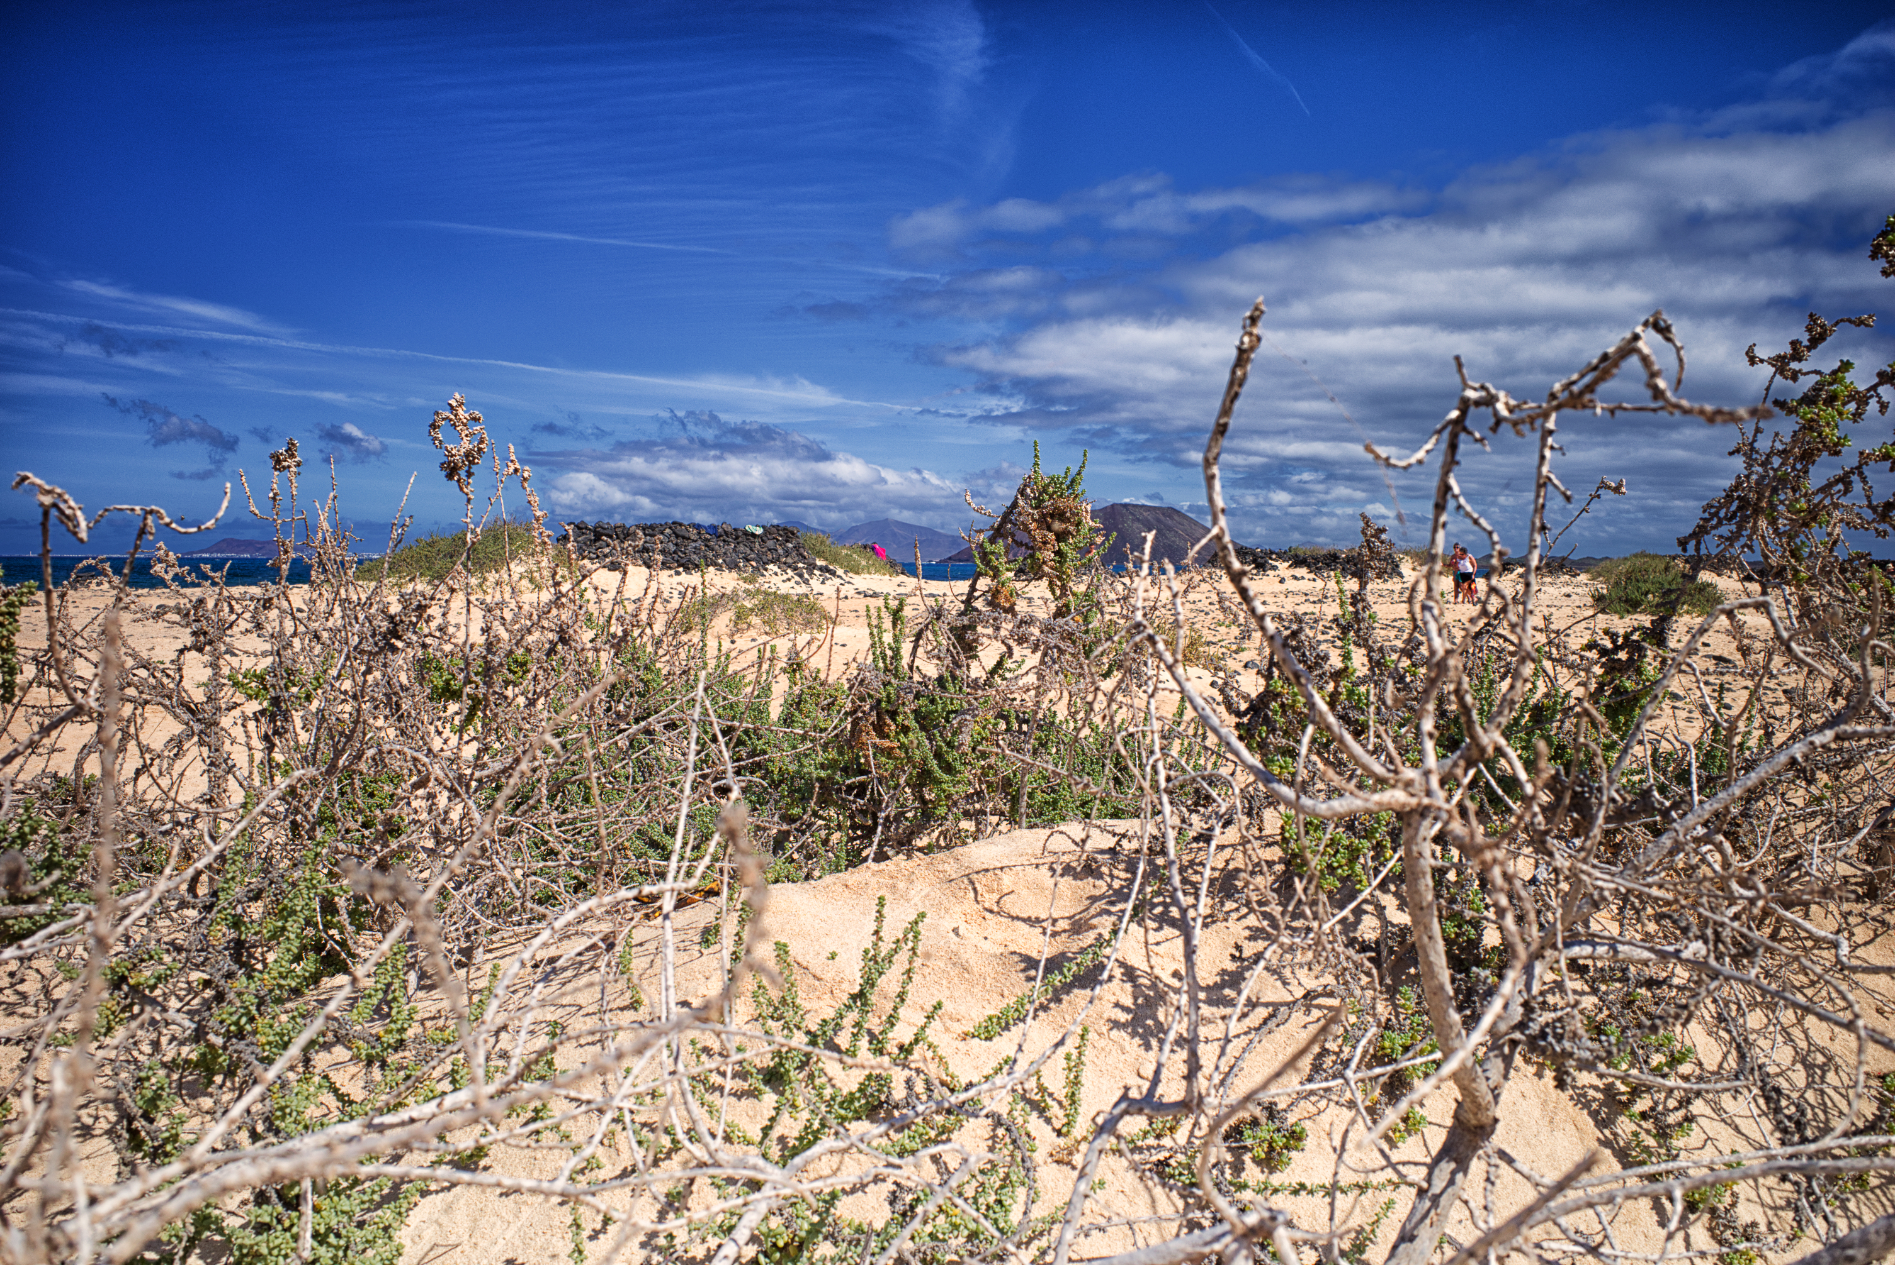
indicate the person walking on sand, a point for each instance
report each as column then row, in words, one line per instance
column 1463, row 574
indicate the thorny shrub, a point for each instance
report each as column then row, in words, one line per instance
column 283, row 911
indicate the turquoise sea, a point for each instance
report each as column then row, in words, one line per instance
column 943, row 570
column 236, row 571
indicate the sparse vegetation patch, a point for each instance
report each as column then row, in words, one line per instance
column 854, row 559
column 1650, row 584
column 432, row 557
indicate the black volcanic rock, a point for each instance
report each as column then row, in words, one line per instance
column 1175, row 533
column 1258, row 560
column 1330, row 561
column 687, row 546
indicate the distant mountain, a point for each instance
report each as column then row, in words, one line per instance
column 899, row 539
column 966, row 553
column 1177, row 532
column 231, row 547
column 790, row 522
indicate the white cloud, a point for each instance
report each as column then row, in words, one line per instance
column 698, row 464
column 1525, row 270
column 751, row 388
column 49, row 384
column 1145, row 204
column 583, row 492
column 351, row 441
column 539, row 235
column 1862, row 63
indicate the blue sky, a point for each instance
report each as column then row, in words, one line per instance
column 841, row 263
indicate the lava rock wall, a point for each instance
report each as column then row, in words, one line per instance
column 1320, row 561
column 687, row 547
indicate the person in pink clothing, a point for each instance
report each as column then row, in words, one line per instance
column 880, row 552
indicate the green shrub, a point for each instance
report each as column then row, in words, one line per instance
column 271, row 934
column 47, row 874
column 1051, row 519
column 1408, row 1034
column 1650, row 584
column 1270, row 1138
column 1198, row 652
column 755, row 609
column 854, row 559
column 352, row 1222
column 13, row 600
column 1016, row 1010
column 778, row 613
column 697, row 611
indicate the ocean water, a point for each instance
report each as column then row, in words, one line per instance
column 963, row 570
column 248, row 571
column 942, row 570
column 236, row 571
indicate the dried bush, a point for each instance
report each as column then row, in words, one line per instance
column 293, row 921
column 256, row 927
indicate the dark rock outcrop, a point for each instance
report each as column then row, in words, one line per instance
column 1258, row 560
column 687, row 546
column 1327, row 561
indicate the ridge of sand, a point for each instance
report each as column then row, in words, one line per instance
column 992, row 909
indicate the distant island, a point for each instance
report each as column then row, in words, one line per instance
column 900, row 539
column 1175, row 531
column 232, row 547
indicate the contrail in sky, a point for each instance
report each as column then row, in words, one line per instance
column 565, row 237
column 538, row 235
column 813, row 395
column 1255, row 60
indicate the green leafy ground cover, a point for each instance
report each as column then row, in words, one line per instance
column 854, row 559
column 1650, row 584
